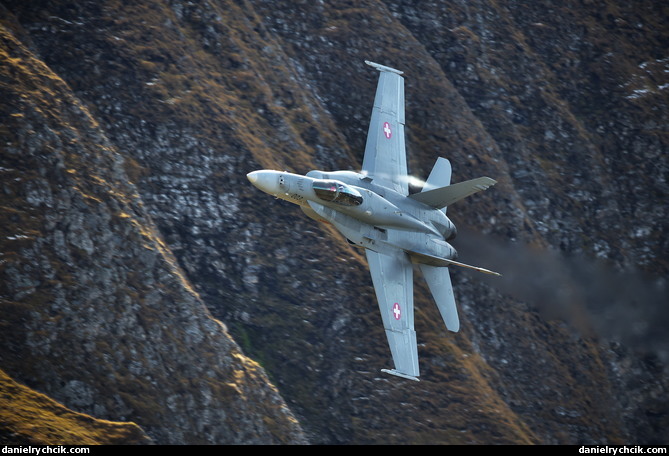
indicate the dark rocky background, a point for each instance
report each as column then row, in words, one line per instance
column 145, row 280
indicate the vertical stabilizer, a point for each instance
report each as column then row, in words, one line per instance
column 439, row 281
column 440, row 176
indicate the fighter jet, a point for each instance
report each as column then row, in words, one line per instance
column 373, row 210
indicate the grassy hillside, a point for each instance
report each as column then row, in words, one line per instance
column 29, row 417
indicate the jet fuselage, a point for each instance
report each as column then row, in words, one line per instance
column 368, row 215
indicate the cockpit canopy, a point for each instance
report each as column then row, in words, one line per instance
column 337, row 192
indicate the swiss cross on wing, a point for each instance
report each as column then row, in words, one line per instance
column 397, row 311
column 387, row 131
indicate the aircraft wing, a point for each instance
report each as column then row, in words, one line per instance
column 393, row 282
column 385, row 152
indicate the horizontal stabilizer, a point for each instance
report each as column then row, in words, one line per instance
column 399, row 374
column 445, row 196
column 475, row 268
column 431, row 260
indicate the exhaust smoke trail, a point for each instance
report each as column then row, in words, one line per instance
column 628, row 307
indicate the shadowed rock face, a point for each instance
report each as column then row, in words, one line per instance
column 130, row 231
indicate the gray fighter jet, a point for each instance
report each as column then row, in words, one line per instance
column 374, row 210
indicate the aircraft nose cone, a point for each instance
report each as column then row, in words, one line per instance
column 253, row 176
column 266, row 180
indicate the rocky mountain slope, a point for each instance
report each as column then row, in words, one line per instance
column 145, row 280
column 96, row 311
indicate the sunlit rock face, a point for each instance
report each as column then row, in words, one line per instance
column 132, row 236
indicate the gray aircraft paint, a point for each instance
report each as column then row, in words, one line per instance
column 374, row 211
